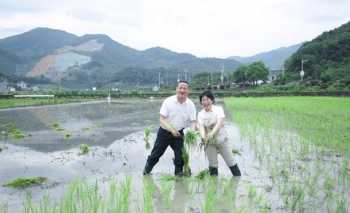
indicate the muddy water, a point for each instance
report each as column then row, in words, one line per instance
column 115, row 133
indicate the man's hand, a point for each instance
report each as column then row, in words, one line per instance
column 175, row 133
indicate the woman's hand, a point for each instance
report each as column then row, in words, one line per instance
column 210, row 136
column 205, row 140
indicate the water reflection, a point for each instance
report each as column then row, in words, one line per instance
column 47, row 128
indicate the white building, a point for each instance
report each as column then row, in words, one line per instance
column 35, row 88
column 22, row 85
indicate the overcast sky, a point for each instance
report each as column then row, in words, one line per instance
column 216, row 28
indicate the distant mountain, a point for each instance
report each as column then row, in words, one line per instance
column 36, row 43
column 96, row 59
column 274, row 59
column 8, row 62
column 327, row 57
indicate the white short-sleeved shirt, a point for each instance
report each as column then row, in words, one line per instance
column 179, row 115
column 209, row 120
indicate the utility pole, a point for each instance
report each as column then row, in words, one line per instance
column 222, row 75
column 302, row 73
column 159, row 80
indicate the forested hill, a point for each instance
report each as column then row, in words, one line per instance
column 327, row 58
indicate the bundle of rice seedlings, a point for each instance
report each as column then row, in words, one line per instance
column 186, row 159
column 190, row 139
column 25, row 182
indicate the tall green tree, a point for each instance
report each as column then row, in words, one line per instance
column 251, row 73
column 240, row 75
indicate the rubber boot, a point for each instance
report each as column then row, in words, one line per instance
column 178, row 170
column 148, row 168
column 213, row 171
column 235, row 170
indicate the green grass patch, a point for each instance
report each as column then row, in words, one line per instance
column 13, row 131
column 19, row 102
column 25, row 182
column 84, row 149
column 67, row 136
column 57, row 127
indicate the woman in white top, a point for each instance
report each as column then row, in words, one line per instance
column 214, row 135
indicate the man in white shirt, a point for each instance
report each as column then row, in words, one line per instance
column 176, row 113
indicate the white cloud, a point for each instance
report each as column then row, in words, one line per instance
column 202, row 27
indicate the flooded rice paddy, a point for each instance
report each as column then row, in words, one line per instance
column 49, row 146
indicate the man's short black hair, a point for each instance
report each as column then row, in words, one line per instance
column 183, row 81
column 207, row 94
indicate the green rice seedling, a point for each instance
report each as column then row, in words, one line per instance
column 148, row 190
column 343, row 173
column 147, row 132
column 118, row 196
column 203, row 174
column 57, row 127
column 191, row 186
column 17, row 134
column 84, row 149
column 265, row 206
column 186, row 159
column 229, row 192
column 328, row 186
column 112, row 200
column 126, row 189
column 297, row 202
column 210, row 196
column 3, row 207
column 86, row 129
column 167, row 178
column 311, row 184
column 165, row 191
column 44, row 205
column 252, row 193
column 14, row 131
column 67, row 136
column 341, row 205
column 28, row 205
column 25, row 182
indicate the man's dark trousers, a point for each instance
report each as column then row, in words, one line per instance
column 163, row 140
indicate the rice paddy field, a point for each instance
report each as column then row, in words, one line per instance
column 294, row 154
column 304, row 144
